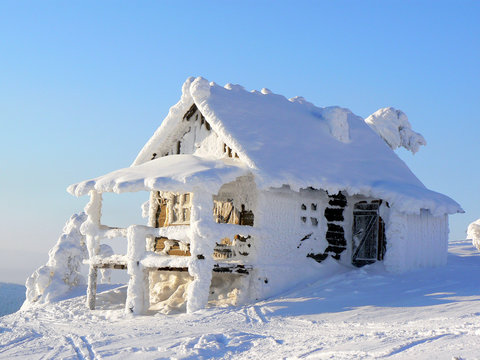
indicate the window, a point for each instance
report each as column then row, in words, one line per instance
column 173, row 209
column 225, row 213
column 309, row 212
column 180, row 214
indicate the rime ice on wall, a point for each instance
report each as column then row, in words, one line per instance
column 393, row 127
column 62, row 271
column 473, row 233
column 415, row 241
column 291, row 229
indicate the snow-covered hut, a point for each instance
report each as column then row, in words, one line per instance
column 251, row 193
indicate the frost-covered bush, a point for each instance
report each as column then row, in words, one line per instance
column 62, row 271
column 473, row 233
column 105, row 251
column 393, row 126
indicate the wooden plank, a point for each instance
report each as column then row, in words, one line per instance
column 174, row 249
column 161, row 216
column 168, row 268
column 190, row 112
column 224, row 268
column 334, row 214
column 232, row 268
column 115, row 266
column 338, row 200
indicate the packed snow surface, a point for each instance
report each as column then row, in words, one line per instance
column 473, row 233
column 350, row 314
column 294, row 142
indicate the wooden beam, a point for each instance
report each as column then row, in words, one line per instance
column 115, row 266
column 232, row 268
column 224, row 268
column 190, row 112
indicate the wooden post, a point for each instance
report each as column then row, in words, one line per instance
column 89, row 228
column 92, row 287
column 138, row 289
column 201, row 247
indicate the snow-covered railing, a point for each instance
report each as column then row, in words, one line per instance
column 239, row 234
column 136, row 236
column 139, row 259
column 203, row 238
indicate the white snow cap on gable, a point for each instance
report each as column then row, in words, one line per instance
column 393, row 126
column 296, row 143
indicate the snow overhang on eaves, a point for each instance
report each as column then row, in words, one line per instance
column 169, row 173
column 404, row 198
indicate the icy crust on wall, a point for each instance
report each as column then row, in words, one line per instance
column 338, row 151
column 62, row 271
column 393, row 126
column 284, row 239
column 473, row 233
column 415, row 241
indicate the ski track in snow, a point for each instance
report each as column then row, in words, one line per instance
column 367, row 314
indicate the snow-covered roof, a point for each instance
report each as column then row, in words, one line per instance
column 170, row 173
column 291, row 141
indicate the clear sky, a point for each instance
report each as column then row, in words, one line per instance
column 84, row 84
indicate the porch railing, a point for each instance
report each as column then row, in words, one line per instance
column 228, row 257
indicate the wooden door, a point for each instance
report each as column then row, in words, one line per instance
column 368, row 243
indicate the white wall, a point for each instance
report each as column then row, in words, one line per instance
column 415, row 241
column 281, row 256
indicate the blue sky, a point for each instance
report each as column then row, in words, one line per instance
column 83, row 85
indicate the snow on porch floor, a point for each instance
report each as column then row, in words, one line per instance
column 359, row 314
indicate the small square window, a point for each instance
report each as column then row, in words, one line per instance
column 313, row 207
column 304, row 219
column 314, row 221
column 304, row 207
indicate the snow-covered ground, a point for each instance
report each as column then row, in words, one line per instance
column 356, row 314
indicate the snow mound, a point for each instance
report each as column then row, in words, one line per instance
column 393, row 126
column 473, row 233
column 62, row 271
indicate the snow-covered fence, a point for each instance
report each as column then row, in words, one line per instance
column 137, row 237
column 201, row 237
